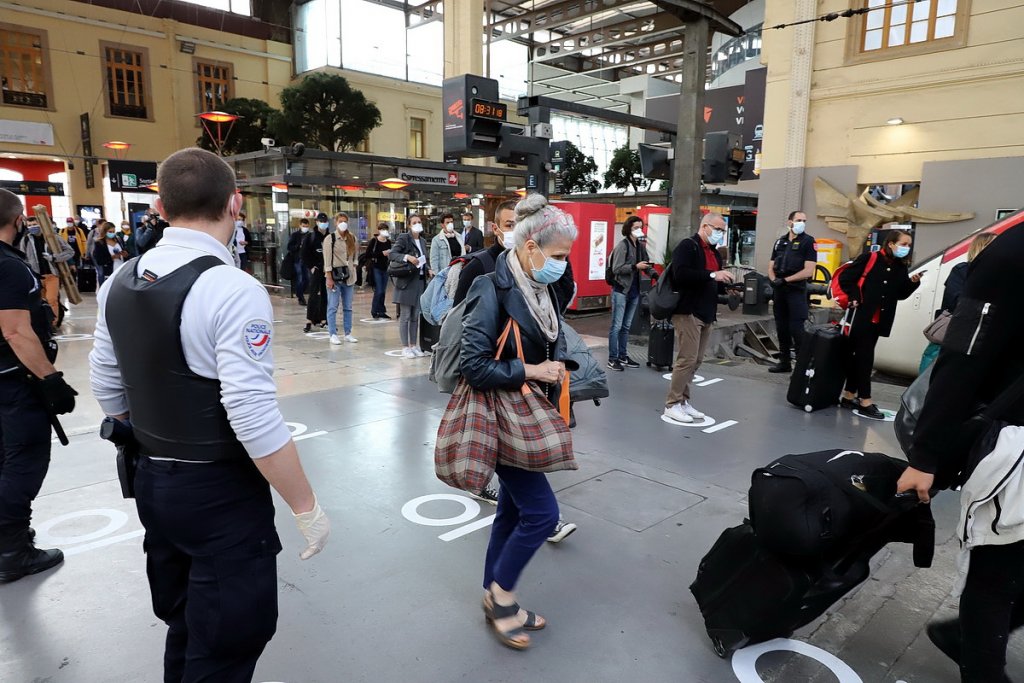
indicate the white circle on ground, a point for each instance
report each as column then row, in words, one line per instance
column 115, row 520
column 296, row 428
column 706, row 422
column 411, row 510
column 318, row 335
column 397, row 353
column 72, row 337
column 744, row 661
column 697, row 379
column 371, row 321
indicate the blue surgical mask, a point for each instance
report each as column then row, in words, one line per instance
column 716, row 237
column 550, row 272
column 33, row 229
column 323, row 226
column 901, row 251
column 799, row 227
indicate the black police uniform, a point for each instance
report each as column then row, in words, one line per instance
column 791, row 310
column 216, row 592
column 24, row 424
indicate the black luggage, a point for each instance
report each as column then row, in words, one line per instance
column 429, row 334
column 819, row 374
column 748, row 595
column 86, row 279
column 661, row 345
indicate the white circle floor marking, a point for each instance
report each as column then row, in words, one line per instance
column 72, row 337
column 115, row 520
column 696, row 378
column 318, row 335
column 411, row 510
column 371, row 321
column 706, row 422
column 397, row 353
column 744, row 661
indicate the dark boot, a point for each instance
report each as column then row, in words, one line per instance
column 782, row 366
column 28, row 560
column 945, row 635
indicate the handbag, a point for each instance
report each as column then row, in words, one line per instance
column 340, row 274
column 936, row 330
column 401, row 269
column 663, row 299
column 288, row 267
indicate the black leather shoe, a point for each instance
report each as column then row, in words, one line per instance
column 29, row 560
column 780, row 368
column 870, row 412
column 385, row 316
column 302, row 302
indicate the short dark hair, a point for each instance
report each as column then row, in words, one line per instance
column 446, row 216
column 10, row 208
column 303, row 221
column 383, row 226
column 195, row 184
column 467, row 213
column 627, row 226
column 507, row 205
column 793, row 213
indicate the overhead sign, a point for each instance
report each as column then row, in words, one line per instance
column 26, row 132
column 33, row 187
column 90, row 174
column 131, row 176
column 429, row 176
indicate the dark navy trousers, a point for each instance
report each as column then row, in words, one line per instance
column 791, row 311
column 211, row 558
column 527, row 514
column 24, row 457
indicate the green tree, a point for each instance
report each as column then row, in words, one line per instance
column 577, row 175
column 245, row 135
column 324, row 111
column 624, row 170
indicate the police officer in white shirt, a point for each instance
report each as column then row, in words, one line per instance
column 182, row 351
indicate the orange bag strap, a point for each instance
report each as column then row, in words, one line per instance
column 513, row 328
column 563, row 399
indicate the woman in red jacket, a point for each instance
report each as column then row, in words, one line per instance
column 873, row 310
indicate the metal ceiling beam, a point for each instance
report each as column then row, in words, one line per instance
column 670, row 49
column 427, row 13
column 525, row 103
column 692, row 10
column 552, row 16
column 607, row 36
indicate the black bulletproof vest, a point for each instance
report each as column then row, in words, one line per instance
column 39, row 313
column 791, row 260
column 175, row 413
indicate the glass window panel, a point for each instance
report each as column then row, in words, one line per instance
column 897, row 35
column 425, row 48
column 332, row 32
column 946, row 7
column 873, row 40
column 898, row 15
column 311, row 32
column 510, row 67
column 921, row 8
column 944, row 27
column 875, row 19
column 876, row 3
column 919, row 32
column 371, row 38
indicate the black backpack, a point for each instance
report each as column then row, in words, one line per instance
column 609, row 276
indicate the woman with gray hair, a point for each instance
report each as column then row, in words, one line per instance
column 521, row 289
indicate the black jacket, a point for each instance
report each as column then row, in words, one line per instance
column 474, row 239
column 954, row 286
column 375, row 253
column 698, row 290
column 312, row 250
column 886, row 284
column 980, row 356
column 491, row 301
column 295, row 241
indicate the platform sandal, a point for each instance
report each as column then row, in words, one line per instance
column 507, row 638
column 534, row 622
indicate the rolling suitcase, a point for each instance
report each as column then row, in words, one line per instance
column 819, row 374
column 86, row 279
column 661, row 345
column 429, row 334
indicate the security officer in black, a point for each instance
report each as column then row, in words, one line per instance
column 794, row 258
column 31, row 391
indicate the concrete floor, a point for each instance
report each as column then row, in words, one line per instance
column 395, row 596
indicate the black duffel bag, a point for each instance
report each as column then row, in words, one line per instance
column 812, row 503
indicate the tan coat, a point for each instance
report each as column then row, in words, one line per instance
column 336, row 255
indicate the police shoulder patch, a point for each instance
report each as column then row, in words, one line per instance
column 256, row 335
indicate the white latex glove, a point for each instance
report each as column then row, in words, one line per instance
column 315, row 526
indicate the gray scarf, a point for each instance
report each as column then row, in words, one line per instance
column 538, row 299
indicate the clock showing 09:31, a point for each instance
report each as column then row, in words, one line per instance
column 485, row 109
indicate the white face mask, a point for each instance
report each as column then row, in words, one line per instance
column 467, row 224
column 343, row 227
column 416, row 228
column 508, row 240
column 385, row 234
column 638, row 233
column 799, row 227
column 304, row 228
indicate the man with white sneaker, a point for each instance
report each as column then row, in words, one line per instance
column 696, row 274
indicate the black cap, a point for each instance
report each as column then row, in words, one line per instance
column 322, row 217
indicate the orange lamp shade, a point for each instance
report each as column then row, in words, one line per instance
column 218, row 117
column 349, row 188
column 117, row 145
column 521, row 192
column 461, row 195
column 393, row 183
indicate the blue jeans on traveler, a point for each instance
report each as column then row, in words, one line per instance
column 343, row 294
column 623, row 310
column 301, row 279
column 527, row 514
column 380, row 289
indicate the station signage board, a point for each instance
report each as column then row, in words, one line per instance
column 429, row 176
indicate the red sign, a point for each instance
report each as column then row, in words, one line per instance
column 453, row 178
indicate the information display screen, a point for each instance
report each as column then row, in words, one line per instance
column 485, row 109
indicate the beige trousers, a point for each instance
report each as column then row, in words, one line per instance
column 692, row 337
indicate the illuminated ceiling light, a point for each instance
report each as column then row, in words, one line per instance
column 393, row 183
column 117, row 145
column 521, row 192
column 461, row 195
column 153, row 186
column 349, row 188
column 219, row 118
column 895, row 121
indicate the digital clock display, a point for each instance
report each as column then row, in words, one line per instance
column 485, row 109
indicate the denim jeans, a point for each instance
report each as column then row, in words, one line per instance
column 527, row 514
column 623, row 310
column 343, row 294
column 380, row 289
column 301, row 279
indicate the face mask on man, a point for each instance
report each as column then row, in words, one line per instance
column 323, row 226
column 716, row 237
column 304, row 228
column 550, row 272
column 799, row 227
column 449, row 228
column 416, row 228
column 33, row 229
column 467, row 224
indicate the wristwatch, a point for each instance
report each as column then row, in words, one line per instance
column 712, row 276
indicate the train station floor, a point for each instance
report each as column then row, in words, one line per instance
column 396, row 594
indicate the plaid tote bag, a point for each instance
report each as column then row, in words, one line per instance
column 467, row 440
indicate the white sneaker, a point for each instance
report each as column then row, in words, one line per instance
column 418, row 352
column 334, row 339
column 693, row 412
column 349, row 338
column 562, row 529
column 678, row 414
column 407, row 353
